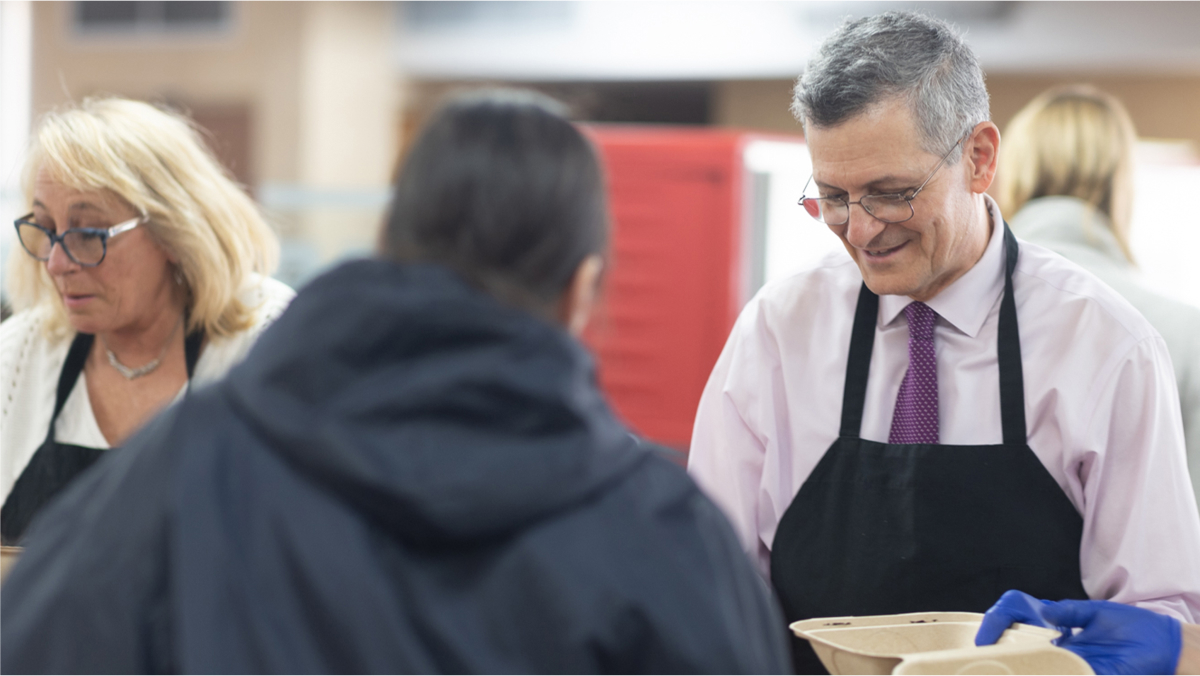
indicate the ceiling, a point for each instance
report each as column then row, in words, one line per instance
column 613, row 41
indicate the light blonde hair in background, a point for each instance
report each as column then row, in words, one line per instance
column 1075, row 141
column 157, row 162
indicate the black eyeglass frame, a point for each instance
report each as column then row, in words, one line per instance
column 104, row 234
column 898, row 196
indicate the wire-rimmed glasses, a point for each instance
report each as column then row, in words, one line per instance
column 889, row 208
column 85, row 246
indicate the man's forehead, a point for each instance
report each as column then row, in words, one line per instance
column 879, row 145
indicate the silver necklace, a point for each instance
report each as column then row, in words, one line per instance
column 142, row 370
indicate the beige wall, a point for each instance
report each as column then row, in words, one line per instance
column 1162, row 106
column 347, row 102
column 314, row 79
column 347, row 135
column 230, row 70
column 755, row 104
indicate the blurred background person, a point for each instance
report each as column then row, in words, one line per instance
column 140, row 270
column 413, row 471
column 1066, row 176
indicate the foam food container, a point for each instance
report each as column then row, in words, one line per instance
column 933, row 643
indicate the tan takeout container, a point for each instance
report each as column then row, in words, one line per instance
column 933, row 643
column 8, row 557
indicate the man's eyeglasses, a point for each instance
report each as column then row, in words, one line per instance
column 85, row 246
column 892, row 208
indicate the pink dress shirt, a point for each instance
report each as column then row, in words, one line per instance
column 1101, row 407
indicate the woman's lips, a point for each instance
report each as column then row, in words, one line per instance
column 76, row 301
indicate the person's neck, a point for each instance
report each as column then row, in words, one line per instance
column 984, row 223
column 145, row 340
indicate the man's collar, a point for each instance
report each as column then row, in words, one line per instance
column 965, row 304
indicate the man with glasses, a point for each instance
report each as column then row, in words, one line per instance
column 945, row 412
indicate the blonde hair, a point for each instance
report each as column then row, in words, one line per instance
column 1075, row 141
column 156, row 162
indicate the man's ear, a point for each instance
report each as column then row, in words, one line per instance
column 575, row 306
column 983, row 153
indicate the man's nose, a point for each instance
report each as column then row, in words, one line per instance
column 862, row 227
column 59, row 262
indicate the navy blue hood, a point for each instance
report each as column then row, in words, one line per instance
column 429, row 406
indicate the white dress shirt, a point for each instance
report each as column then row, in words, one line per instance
column 1101, row 408
column 30, row 366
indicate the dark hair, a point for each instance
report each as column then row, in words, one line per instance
column 896, row 54
column 501, row 188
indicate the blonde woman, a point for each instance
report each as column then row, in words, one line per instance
column 140, row 270
column 1066, row 172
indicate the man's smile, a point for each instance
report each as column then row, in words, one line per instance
column 880, row 254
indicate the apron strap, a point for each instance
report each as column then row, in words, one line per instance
column 77, row 356
column 72, row 367
column 191, row 351
column 1008, row 351
column 862, row 342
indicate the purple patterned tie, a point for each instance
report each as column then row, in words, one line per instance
column 915, row 420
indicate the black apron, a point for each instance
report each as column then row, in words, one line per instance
column 898, row 528
column 54, row 465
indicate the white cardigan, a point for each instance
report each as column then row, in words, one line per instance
column 30, row 366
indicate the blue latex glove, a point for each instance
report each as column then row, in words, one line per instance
column 1013, row 606
column 1114, row 638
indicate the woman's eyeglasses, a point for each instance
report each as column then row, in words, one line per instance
column 85, row 246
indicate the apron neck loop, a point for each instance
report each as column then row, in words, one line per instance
column 191, row 350
column 77, row 356
column 862, row 342
column 1012, row 381
column 1008, row 352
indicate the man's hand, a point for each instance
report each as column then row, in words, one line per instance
column 1114, row 638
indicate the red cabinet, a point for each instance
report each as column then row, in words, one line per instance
column 674, row 285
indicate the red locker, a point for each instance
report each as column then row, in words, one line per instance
column 674, row 284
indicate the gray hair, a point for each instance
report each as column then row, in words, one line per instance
column 896, row 54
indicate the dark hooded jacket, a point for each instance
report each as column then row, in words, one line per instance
column 403, row 476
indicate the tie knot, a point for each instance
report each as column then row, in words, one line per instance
column 921, row 319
